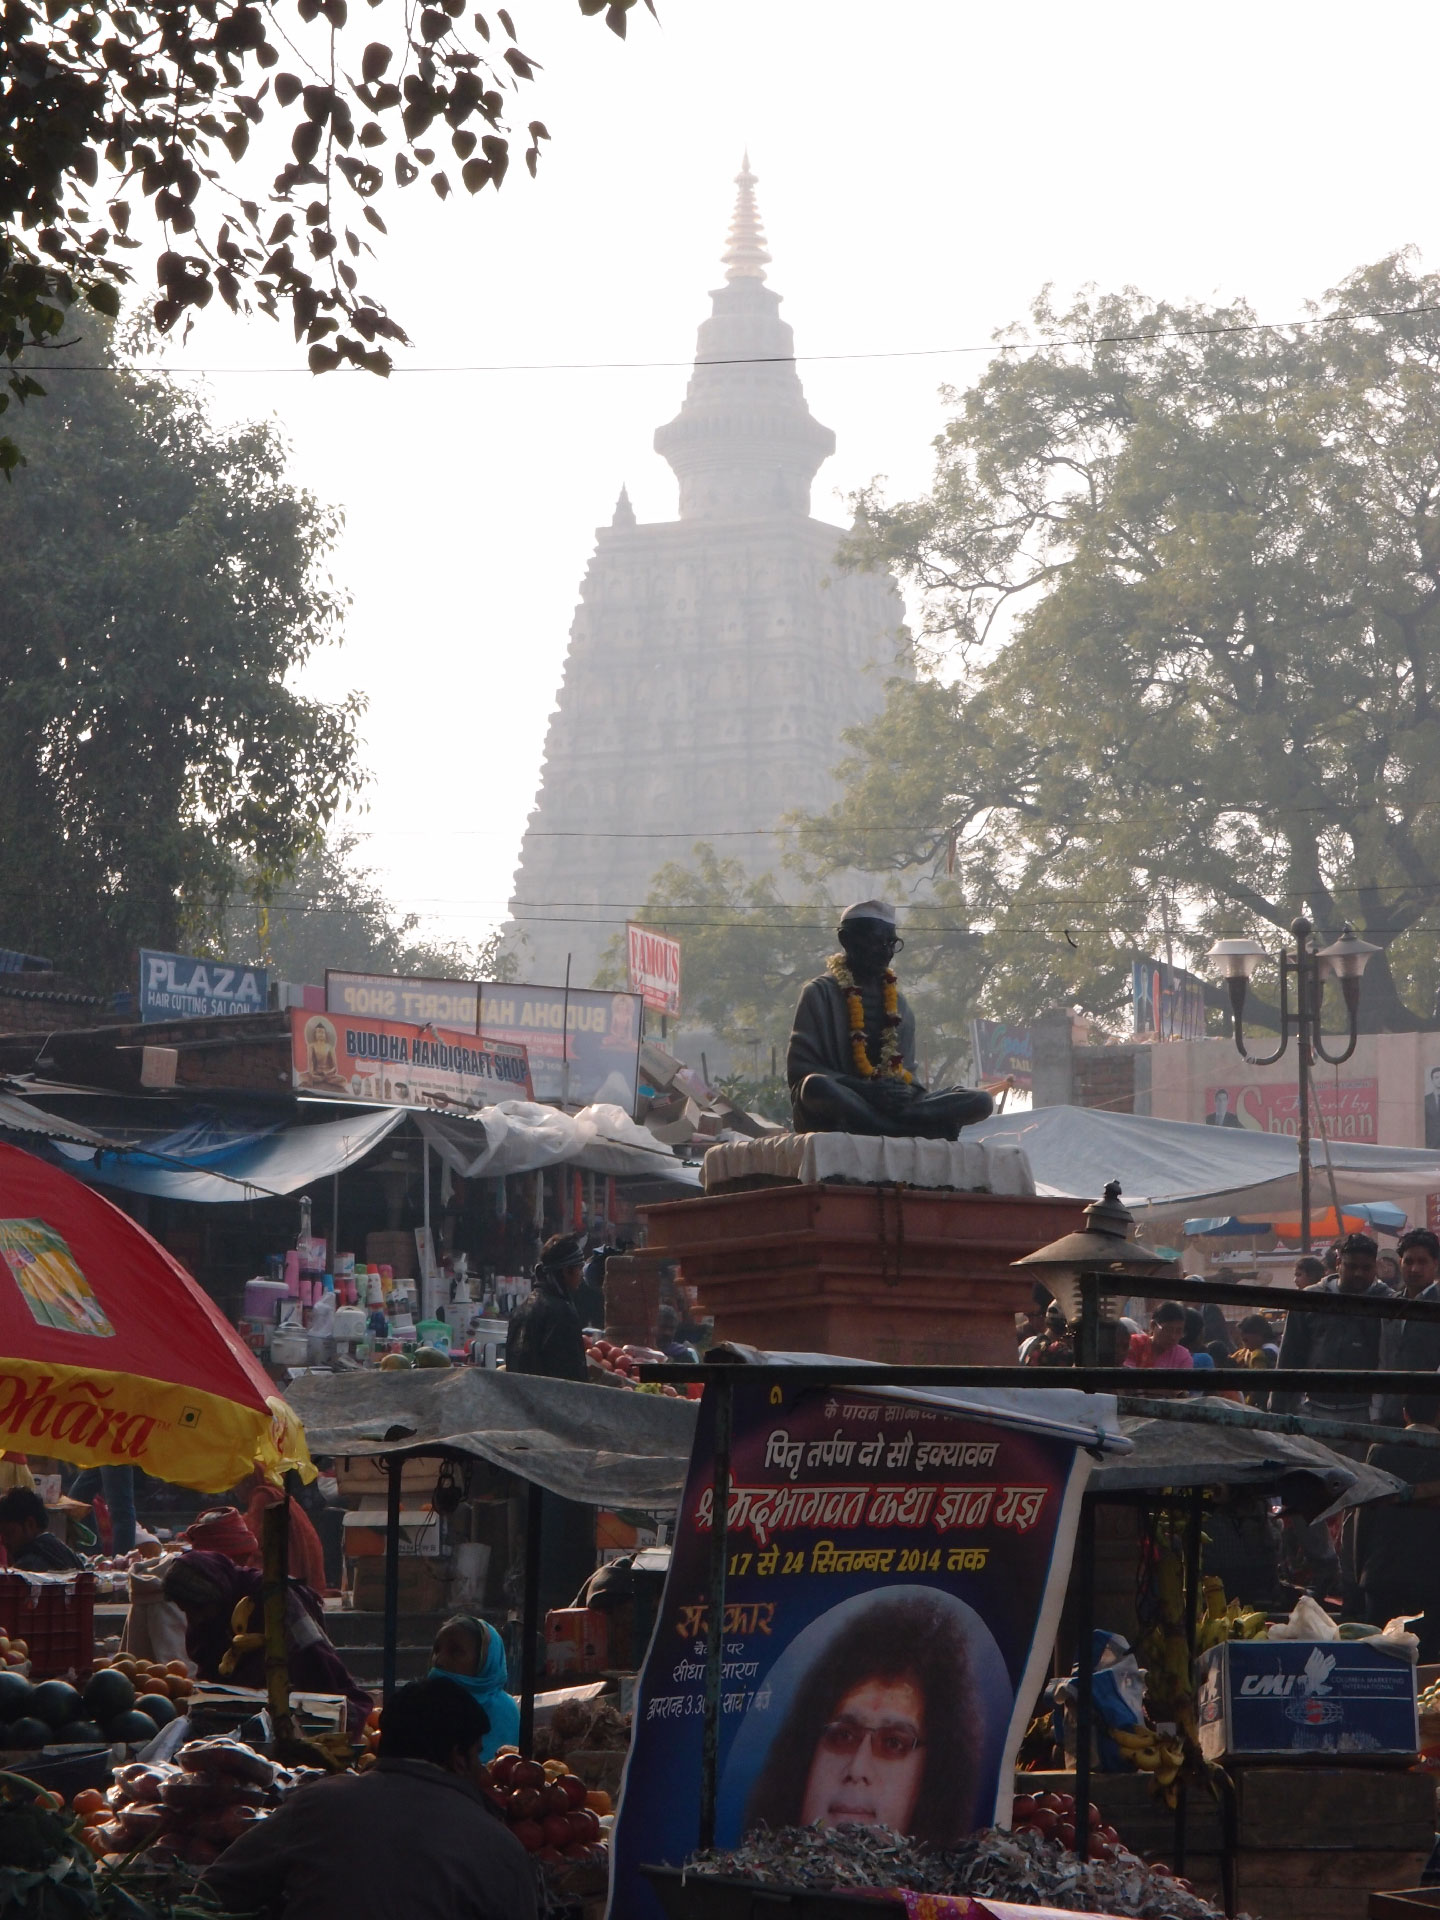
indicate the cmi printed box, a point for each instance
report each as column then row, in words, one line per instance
column 1263, row 1699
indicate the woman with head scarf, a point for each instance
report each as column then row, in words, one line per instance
column 207, row 1588
column 471, row 1653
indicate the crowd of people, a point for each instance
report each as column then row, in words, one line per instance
column 1386, row 1560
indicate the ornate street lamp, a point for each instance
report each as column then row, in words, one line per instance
column 1105, row 1247
column 1345, row 959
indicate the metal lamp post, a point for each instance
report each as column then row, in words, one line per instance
column 1345, row 959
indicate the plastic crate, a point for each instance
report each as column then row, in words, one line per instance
column 54, row 1614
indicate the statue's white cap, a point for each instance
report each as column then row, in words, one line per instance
column 869, row 910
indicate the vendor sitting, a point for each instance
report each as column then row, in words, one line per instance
column 851, row 1062
column 25, row 1534
column 471, row 1653
column 208, row 1587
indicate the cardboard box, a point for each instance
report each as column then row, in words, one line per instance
column 424, row 1585
column 577, row 1640
column 420, row 1533
column 1331, row 1698
column 363, row 1476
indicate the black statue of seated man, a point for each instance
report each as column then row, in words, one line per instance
column 851, row 1061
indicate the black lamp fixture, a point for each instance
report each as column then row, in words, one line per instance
column 1344, row 960
column 1104, row 1247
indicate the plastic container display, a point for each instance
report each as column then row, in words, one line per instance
column 54, row 1614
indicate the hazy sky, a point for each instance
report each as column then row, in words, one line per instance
column 925, row 167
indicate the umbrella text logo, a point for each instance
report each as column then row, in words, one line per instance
column 49, row 1278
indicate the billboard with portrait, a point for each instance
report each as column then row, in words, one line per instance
column 1348, row 1109
column 895, row 1573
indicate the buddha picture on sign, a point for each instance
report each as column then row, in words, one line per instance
column 322, row 1064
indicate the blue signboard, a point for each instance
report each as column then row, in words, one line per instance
column 178, row 986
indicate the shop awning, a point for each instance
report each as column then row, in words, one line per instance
column 19, row 1116
column 255, row 1166
column 520, row 1136
column 1185, row 1453
column 602, row 1445
column 1167, row 1168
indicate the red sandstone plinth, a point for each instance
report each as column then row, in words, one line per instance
column 897, row 1274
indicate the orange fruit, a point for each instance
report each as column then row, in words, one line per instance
column 89, row 1800
column 179, row 1667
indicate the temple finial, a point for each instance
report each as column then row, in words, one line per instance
column 745, row 256
column 624, row 512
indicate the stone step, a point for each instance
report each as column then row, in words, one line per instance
column 350, row 1627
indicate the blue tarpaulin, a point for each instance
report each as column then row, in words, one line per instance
column 278, row 1161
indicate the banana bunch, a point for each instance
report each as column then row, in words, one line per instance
column 1221, row 1621
column 243, row 1641
column 1151, row 1752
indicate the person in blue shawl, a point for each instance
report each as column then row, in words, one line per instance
column 471, row 1653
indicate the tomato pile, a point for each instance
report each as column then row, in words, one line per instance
column 549, row 1810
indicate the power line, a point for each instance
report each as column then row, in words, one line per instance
column 1139, row 337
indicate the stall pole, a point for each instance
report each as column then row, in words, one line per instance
column 1084, row 1677
column 395, row 1468
column 530, row 1627
column 275, row 1559
column 1194, row 1537
column 715, row 1633
column 427, row 1304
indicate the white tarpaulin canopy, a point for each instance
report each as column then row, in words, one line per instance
column 1170, row 1168
column 518, row 1136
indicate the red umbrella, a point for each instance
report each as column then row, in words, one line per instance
column 113, row 1355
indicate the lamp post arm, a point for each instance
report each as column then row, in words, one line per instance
column 1268, row 1059
column 1350, row 987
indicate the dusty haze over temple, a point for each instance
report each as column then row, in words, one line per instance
column 716, row 660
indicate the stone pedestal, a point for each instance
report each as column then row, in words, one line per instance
column 896, row 1274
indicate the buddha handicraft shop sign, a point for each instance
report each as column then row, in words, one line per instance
column 394, row 1063
column 895, row 1573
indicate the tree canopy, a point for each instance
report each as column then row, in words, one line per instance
column 107, row 107
column 330, row 910
column 160, row 579
column 1180, row 578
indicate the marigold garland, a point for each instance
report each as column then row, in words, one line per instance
column 891, row 1064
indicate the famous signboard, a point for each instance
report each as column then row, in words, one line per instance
column 1349, row 1110
column 394, row 1063
column 894, row 1580
column 386, row 996
column 654, row 968
column 604, row 1039
column 179, row 986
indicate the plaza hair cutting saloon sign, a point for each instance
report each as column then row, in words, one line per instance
column 895, row 1574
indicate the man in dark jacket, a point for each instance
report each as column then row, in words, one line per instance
column 1336, row 1341
column 1411, row 1346
column 412, row 1837
column 545, row 1334
column 1397, row 1548
column 851, row 1060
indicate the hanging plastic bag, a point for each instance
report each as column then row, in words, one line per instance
column 1117, row 1689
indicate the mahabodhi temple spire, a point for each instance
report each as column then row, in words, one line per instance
column 715, row 660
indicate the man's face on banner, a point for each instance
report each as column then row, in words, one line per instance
column 869, row 1761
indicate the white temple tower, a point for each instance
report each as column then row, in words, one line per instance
column 716, row 660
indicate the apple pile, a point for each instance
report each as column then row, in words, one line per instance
column 621, row 1364
column 14, row 1653
column 1053, row 1816
column 549, row 1810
